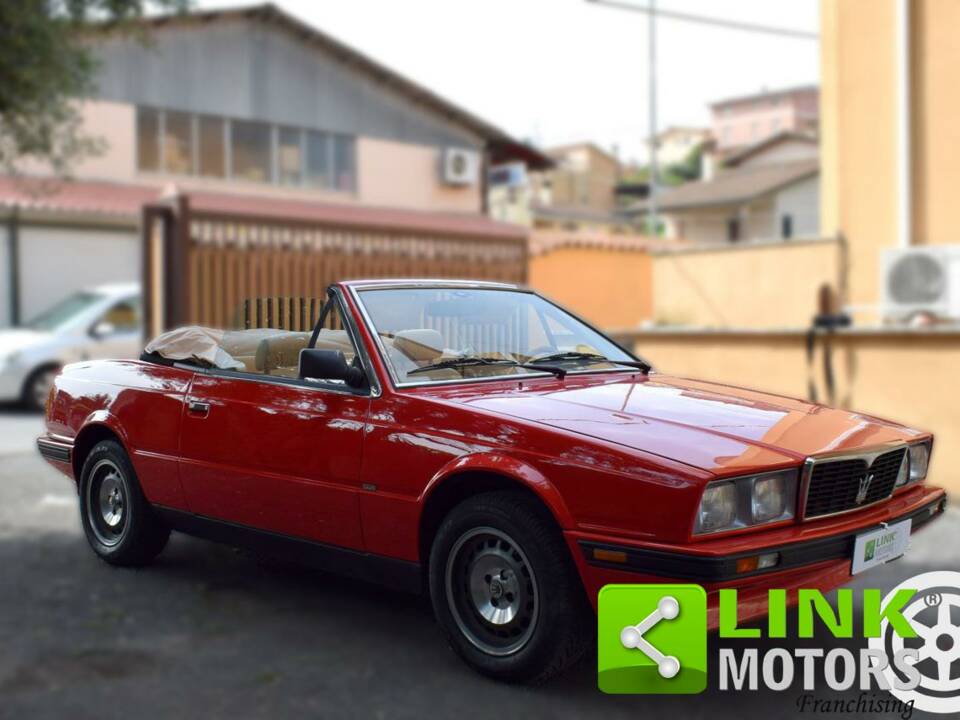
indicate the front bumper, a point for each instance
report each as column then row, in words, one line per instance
column 815, row 555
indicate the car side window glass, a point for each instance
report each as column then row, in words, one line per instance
column 123, row 317
column 334, row 336
column 276, row 352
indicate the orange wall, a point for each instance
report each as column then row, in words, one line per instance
column 755, row 285
column 611, row 288
column 935, row 57
column 859, row 136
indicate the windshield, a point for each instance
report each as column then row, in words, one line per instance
column 64, row 311
column 444, row 334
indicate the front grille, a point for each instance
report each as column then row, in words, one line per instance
column 835, row 484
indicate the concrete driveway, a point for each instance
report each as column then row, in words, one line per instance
column 211, row 632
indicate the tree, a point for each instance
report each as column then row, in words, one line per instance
column 46, row 64
column 676, row 174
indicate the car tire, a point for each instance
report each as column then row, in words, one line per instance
column 119, row 523
column 504, row 589
column 37, row 387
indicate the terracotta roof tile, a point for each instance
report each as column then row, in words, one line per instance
column 126, row 200
column 733, row 186
column 80, row 197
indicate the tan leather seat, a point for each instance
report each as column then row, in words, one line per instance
column 242, row 345
column 279, row 354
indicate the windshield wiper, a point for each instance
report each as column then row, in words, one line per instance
column 470, row 361
column 589, row 357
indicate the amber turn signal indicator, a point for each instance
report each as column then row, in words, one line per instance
column 614, row 556
column 757, row 562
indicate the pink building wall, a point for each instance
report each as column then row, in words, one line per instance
column 391, row 174
column 748, row 120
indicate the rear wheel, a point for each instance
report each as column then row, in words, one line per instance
column 37, row 387
column 120, row 525
column 504, row 589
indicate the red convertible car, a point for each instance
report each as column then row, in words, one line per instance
column 478, row 442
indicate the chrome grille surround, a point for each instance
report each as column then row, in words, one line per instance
column 828, row 481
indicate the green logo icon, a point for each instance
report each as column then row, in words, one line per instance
column 652, row 639
column 870, row 550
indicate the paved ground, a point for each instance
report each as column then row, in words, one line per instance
column 209, row 632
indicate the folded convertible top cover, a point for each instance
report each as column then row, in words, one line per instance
column 195, row 343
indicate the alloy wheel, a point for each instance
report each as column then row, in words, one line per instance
column 492, row 591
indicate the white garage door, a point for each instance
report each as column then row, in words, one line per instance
column 55, row 262
column 4, row 278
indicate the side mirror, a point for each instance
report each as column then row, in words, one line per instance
column 102, row 329
column 329, row 365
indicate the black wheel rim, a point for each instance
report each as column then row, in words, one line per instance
column 492, row 591
column 107, row 503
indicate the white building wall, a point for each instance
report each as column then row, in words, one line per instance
column 802, row 202
column 55, row 262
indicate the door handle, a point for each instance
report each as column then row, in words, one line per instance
column 200, row 409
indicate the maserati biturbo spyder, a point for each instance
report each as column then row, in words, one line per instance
column 477, row 442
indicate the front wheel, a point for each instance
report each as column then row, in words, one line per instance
column 119, row 523
column 504, row 589
column 37, row 388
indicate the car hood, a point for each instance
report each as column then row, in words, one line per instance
column 21, row 339
column 718, row 428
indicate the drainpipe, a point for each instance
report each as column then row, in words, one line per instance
column 904, row 149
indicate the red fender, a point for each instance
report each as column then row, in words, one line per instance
column 505, row 466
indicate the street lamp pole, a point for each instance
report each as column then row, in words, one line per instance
column 652, row 102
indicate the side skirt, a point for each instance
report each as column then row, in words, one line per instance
column 398, row 574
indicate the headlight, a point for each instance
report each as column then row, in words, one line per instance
column 746, row 501
column 919, row 461
column 768, row 501
column 903, row 473
column 718, row 508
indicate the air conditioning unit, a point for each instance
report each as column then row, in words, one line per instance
column 921, row 280
column 461, row 166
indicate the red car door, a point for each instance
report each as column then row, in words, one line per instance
column 274, row 453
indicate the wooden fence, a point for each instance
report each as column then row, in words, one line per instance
column 210, row 269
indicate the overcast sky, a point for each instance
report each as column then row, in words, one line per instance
column 558, row 71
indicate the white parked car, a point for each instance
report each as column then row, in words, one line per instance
column 102, row 322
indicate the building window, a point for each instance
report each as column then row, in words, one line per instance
column 210, row 151
column 182, row 143
column 733, row 229
column 786, row 227
column 318, row 159
column 343, row 163
column 250, row 148
column 148, row 139
column 289, row 157
column 177, row 143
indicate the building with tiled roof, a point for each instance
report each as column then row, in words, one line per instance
column 249, row 112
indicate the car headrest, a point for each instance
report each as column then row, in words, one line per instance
column 421, row 345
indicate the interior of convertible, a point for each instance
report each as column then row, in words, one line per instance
column 426, row 335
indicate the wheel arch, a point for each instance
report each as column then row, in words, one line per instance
column 478, row 474
column 98, row 428
column 39, row 367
